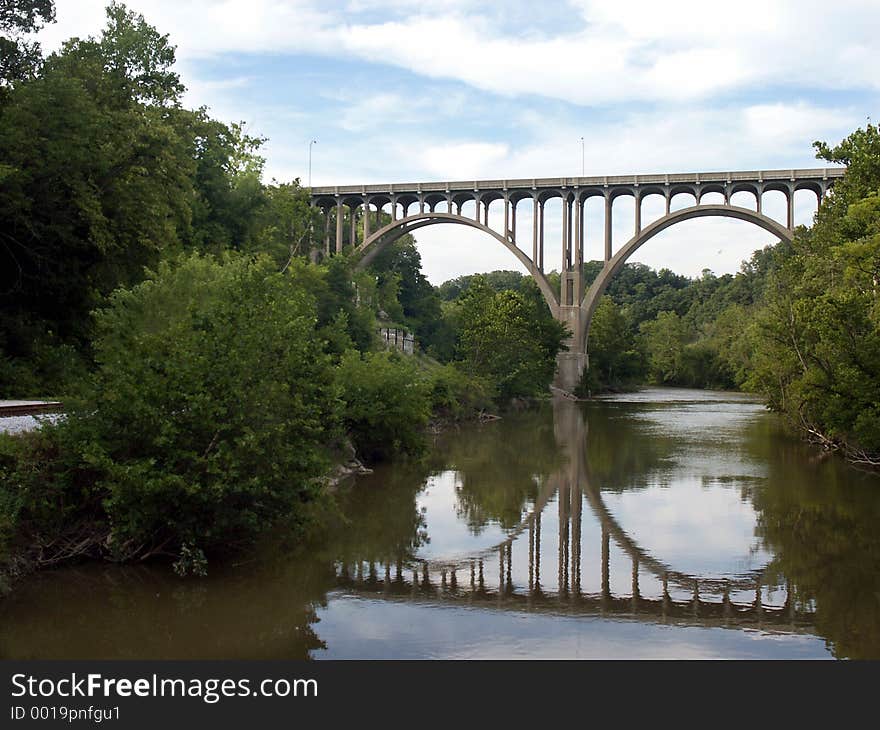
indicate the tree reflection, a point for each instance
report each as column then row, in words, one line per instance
column 501, row 470
column 820, row 518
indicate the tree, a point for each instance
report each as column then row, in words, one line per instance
column 817, row 356
column 614, row 359
column 664, row 339
column 19, row 57
column 405, row 294
column 501, row 339
column 387, row 403
column 207, row 419
column 286, row 224
column 103, row 174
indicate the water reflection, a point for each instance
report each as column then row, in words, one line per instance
column 689, row 515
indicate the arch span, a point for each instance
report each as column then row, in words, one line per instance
column 594, row 294
column 386, row 235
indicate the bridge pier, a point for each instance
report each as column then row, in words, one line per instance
column 571, row 363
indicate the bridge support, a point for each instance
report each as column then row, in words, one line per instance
column 571, row 363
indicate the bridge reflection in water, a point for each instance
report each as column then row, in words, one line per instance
column 486, row 579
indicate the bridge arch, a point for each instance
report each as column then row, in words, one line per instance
column 597, row 289
column 389, row 233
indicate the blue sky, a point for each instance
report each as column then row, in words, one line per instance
column 401, row 91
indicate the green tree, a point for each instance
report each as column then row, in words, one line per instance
column 614, row 360
column 501, row 339
column 287, row 226
column 207, row 420
column 664, row 339
column 103, row 173
column 405, row 293
column 817, row 356
column 387, row 403
column 20, row 57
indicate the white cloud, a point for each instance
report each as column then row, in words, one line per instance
column 648, row 82
column 614, row 51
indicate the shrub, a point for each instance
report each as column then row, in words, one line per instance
column 206, row 419
column 457, row 395
column 387, row 403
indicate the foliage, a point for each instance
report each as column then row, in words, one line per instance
column 19, row 57
column 387, row 403
column 500, row 339
column 457, row 395
column 207, row 417
column 496, row 280
column 103, row 174
column 817, row 356
column 286, row 226
column 614, row 359
column 406, row 296
column 665, row 338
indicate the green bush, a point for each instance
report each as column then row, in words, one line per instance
column 206, row 419
column 457, row 395
column 387, row 403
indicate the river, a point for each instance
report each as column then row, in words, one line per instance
column 661, row 524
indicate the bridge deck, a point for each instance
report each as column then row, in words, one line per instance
column 689, row 178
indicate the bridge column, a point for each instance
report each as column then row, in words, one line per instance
column 535, row 217
column 608, row 206
column 563, row 546
column 352, row 228
column 669, row 202
column 606, row 554
column 366, row 220
column 576, row 501
column 339, row 214
column 326, row 231
column 566, row 242
column 541, row 239
column 531, row 554
column 570, row 364
column 638, row 226
column 635, row 585
column 538, row 551
column 513, row 220
column 790, row 218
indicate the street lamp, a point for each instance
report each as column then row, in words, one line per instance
column 583, row 166
column 314, row 141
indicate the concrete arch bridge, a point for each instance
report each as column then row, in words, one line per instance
column 415, row 205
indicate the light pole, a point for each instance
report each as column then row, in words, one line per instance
column 583, row 166
column 314, row 141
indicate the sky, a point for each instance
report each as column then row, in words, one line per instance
column 405, row 91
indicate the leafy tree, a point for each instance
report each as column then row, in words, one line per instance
column 614, row 360
column 104, row 173
column 286, row 226
column 19, row 57
column 817, row 356
column 387, row 403
column 206, row 421
column 665, row 338
column 498, row 340
column 405, row 294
